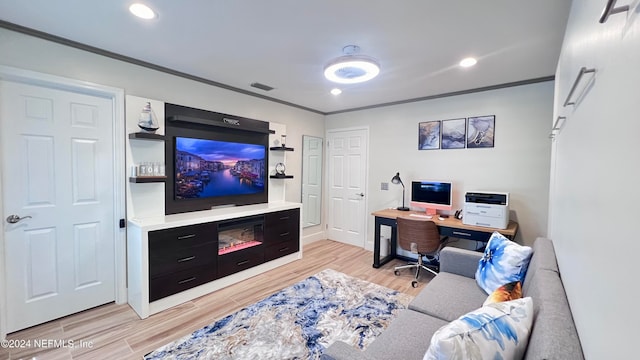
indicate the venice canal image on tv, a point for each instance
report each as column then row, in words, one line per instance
column 209, row 168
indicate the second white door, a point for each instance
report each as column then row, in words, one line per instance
column 347, row 179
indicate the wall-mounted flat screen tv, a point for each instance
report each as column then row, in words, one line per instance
column 205, row 168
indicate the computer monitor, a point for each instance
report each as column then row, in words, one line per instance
column 431, row 195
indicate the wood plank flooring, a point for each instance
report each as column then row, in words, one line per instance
column 115, row 331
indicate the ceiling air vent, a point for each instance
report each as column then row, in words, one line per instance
column 264, row 87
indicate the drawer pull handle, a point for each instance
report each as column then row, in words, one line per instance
column 242, row 262
column 186, row 259
column 284, row 249
column 186, row 280
column 461, row 233
column 285, row 234
column 284, row 218
column 186, row 236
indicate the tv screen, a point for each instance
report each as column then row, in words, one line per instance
column 211, row 168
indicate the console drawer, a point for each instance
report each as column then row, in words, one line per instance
column 164, row 286
column 240, row 260
column 164, row 262
column 182, row 237
column 275, row 251
column 282, row 226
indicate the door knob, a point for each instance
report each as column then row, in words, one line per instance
column 361, row 194
column 12, row 219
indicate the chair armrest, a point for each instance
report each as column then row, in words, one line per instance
column 343, row 351
column 459, row 261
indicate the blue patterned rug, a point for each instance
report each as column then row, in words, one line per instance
column 298, row 322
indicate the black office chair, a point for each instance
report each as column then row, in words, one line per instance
column 421, row 237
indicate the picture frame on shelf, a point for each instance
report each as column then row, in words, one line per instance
column 454, row 132
column 481, row 131
column 429, row 135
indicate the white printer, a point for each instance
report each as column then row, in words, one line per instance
column 488, row 209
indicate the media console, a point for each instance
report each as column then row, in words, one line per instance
column 176, row 258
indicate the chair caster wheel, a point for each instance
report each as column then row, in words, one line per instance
column 414, row 284
column 396, row 272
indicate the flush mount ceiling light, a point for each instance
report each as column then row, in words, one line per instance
column 468, row 62
column 142, row 11
column 351, row 68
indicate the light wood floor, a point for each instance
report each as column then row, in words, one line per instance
column 116, row 332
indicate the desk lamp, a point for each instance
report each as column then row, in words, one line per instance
column 396, row 180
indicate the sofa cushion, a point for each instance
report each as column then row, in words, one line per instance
column 447, row 296
column 504, row 261
column 554, row 335
column 407, row 337
column 544, row 257
column 506, row 292
column 496, row 331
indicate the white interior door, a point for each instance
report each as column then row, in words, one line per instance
column 57, row 179
column 312, row 180
column 347, row 178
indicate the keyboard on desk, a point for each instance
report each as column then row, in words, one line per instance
column 421, row 216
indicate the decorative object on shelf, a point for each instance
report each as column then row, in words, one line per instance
column 480, row 131
column 351, row 68
column 148, row 169
column 396, row 180
column 429, row 135
column 453, row 133
column 283, row 141
column 148, row 120
column 280, row 168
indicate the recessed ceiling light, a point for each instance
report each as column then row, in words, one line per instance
column 467, row 62
column 336, row 91
column 351, row 68
column 142, row 11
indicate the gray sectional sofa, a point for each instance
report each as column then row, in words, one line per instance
column 454, row 292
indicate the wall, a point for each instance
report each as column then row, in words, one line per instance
column 595, row 176
column 518, row 164
column 31, row 53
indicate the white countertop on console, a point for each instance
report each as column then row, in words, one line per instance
column 222, row 213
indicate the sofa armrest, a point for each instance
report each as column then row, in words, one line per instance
column 343, row 351
column 459, row 261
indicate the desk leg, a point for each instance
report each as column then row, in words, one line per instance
column 379, row 221
column 376, row 243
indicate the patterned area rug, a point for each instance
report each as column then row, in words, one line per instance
column 298, row 322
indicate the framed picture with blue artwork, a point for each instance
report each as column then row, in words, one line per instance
column 429, row 135
column 454, row 132
column 481, row 131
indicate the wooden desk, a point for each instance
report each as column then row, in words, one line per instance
column 450, row 226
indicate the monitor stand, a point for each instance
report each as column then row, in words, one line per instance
column 431, row 211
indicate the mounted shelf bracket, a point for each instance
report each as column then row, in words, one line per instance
column 611, row 9
column 581, row 74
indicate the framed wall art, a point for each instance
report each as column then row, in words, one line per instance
column 429, row 135
column 481, row 131
column 453, row 133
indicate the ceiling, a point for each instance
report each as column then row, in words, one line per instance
column 286, row 43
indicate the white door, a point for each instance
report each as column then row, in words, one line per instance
column 57, row 179
column 312, row 180
column 347, row 178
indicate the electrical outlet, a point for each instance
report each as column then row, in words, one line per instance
column 384, row 186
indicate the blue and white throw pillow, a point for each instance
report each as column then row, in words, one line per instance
column 495, row 331
column 503, row 262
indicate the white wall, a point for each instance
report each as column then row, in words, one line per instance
column 31, row 53
column 518, row 164
column 595, row 177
